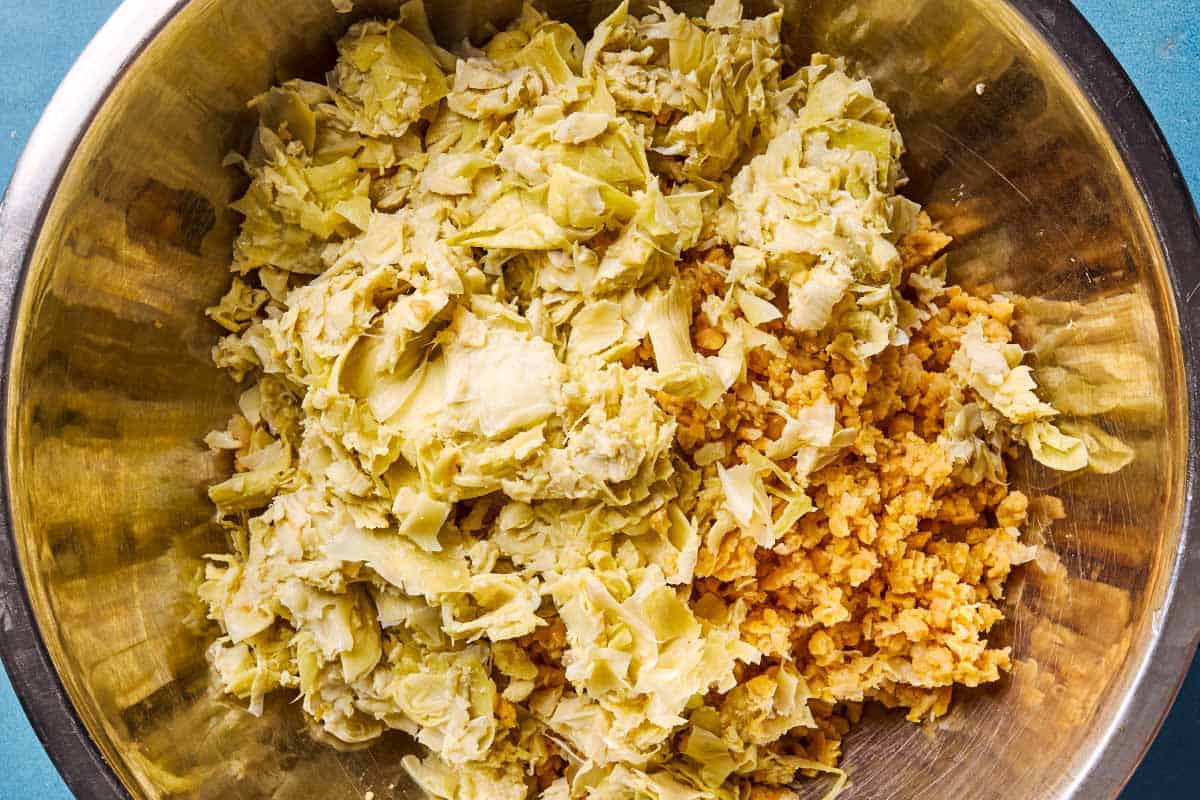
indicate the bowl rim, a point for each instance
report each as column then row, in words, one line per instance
column 1087, row 59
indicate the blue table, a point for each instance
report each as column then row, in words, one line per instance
column 1158, row 41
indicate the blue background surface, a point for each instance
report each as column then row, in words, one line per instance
column 1158, row 42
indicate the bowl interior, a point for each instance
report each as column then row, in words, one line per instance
column 112, row 390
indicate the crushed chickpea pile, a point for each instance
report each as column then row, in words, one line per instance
column 888, row 590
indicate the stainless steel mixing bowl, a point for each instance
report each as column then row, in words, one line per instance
column 1027, row 142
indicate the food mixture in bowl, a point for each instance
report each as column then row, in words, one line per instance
column 610, row 426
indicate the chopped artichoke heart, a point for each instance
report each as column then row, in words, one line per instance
column 553, row 354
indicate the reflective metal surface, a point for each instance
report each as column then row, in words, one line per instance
column 1027, row 143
